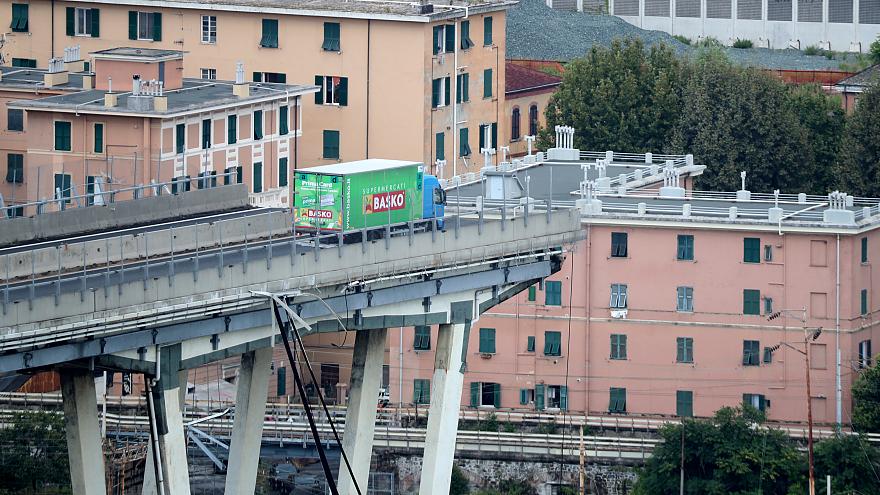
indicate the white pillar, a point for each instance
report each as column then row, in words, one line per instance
column 84, row 448
column 360, row 418
column 247, row 428
column 149, row 486
column 172, row 442
column 446, row 389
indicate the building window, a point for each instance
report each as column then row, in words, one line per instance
column 421, row 391
column 532, row 293
column 553, row 293
column 485, row 394
column 526, row 396
column 768, row 252
column 90, row 190
column 487, row 340
column 464, row 147
column 617, row 402
column 751, row 353
column 684, row 299
column 533, row 120
column 232, row 175
column 530, row 343
column 618, row 346
column 282, row 172
column 440, row 146
column 206, row 134
column 751, row 250
column 757, row 401
column 553, row 396
column 145, row 26
column 487, row 83
column 19, row 22
column 329, row 379
column 62, row 136
column 462, row 87
column 685, row 251
column 270, row 77
column 514, row 124
column 15, row 120
column 209, row 74
column 270, row 34
column 283, row 118
column 552, row 343
column 29, row 63
column 333, row 90
column 619, row 244
column 684, row 403
column 82, row 22
column 768, row 305
column 206, row 180
column 487, row 31
column 684, row 350
column 180, row 138
column 209, row 29
column 864, row 348
column 99, row 137
column 231, row 129
column 864, row 249
column 466, row 35
column 863, row 298
column 180, row 184
column 492, row 131
column 618, row 296
column 440, row 89
column 258, row 125
column 15, row 168
column 331, row 37
column 63, row 187
column 768, row 355
column 331, row 145
column 751, row 302
column 443, row 38
column 422, row 339
column 258, row 177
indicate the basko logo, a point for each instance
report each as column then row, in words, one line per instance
column 393, row 200
column 319, row 213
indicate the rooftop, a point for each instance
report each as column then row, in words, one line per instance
column 32, row 79
column 863, row 79
column 368, row 165
column 138, row 54
column 519, row 79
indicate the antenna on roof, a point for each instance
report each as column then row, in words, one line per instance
column 742, row 176
column 239, row 72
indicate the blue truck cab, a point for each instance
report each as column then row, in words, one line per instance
column 433, row 200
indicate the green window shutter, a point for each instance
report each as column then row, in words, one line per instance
column 319, row 96
column 331, row 144
column 496, row 395
column 440, row 146
column 239, row 175
column 466, row 35
column 523, row 396
column 864, row 249
column 132, row 25
column 231, row 129
column 258, row 177
column 751, row 302
column 90, row 189
column 685, row 249
column 282, row 172
column 435, row 93
column 447, row 88
column 70, row 12
column 436, row 39
column 281, row 388
column 258, row 125
column 532, row 293
column 553, row 293
column 450, row 37
column 482, row 143
column 750, row 353
column 465, row 87
column 206, row 134
column 422, row 338
column 331, row 37
column 180, row 138
column 157, row 26
column 494, row 133
column 487, row 340
column 99, row 138
column 464, row 147
column 768, row 355
column 62, row 184
column 269, row 38
column 539, row 397
column 96, row 23
column 684, row 403
column 530, row 343
column 563, row 398
column 864, row 302
column 15, row 168
column 751, row 250
column 487, row 83
column 283, row 117
column 552, row 343
column 19, row 18
column 487, row 31
column 342, row 92
column 475, row 394
column 62, row 136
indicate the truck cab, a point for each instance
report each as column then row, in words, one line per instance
column 433, row 200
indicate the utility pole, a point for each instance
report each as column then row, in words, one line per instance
column 681, row 477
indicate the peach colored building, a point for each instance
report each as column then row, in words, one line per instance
column 527, row 93
column 398, row 80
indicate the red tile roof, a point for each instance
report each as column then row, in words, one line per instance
column 520, row 79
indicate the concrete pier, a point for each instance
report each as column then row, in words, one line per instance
column 84, row 448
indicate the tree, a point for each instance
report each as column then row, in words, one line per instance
column 729, row 454
column 852, row 462
column 859, row 160
column 866, row 401
column 875, row 51
column 623, row 97
column 824, row 120
column 459, row 484
column 33, row 454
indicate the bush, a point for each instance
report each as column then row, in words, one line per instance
column 548, row 428
column 459, row 484
column 875, row 51
column 812, row 50
column 709, row 42
column 743, row 43
column 682, row 38
column 509, row 427
column 490, row 423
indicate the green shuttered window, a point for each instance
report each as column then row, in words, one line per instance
column 618, row 346
column 331, row 145
column 553, row 293
column 258, row 125
column 487, row 31
column 751, row 302
column 24, row 62
column 617, row 400
column 270, row 34
column 462, row 87
column 863, row 300
column 282, row 172
column 466, row 35
column 180, row 138
column 493, row 135
column 685, row 251
column 552, row 343
column 440, row 146
column 281, row 389
column 751, row 353
column 206, row 134
column 487, row 83
column 421, row 391
column 684, row 350
column 83, row 22
column 331, row 37
column 258, row 177
column 231, row 129
column 19, row 22
column 487, row 340
column 144, row 26
column 864, row 249
column 684, row 403
column 422, row 338
column 532, row 294
column 62, row 136
column 283, row 117
column 464, row 146
column 530, row 343
column 450, row 37
column 619, row 244
column 15, row 168
column 751, row 250
column 62, row 187
column 99, row 138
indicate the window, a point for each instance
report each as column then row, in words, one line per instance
column 15, row 120
column 331, row 37
column 15, row 168
column 146, row 26
column 751, row 250
column 333, row 90
column 19, row 22
column 684, row 350
column 206, row 180
column 533, row 120
column 99, row 137
column 24, row 62
column 270, row 77
column 768, row 252
column 487, row 340
column 768, row 305
column 283, row 118
column 232, row 175
column 421, row 391
column 206, row 134
column 617, row 402
column 443, row 38
column 462, row 87
column 514, row 124
column 751, row 353
column 440, row 92
column 864, row 249
column 487, row 31
column 532, row 294
column 82, row 22
column 180, row 184
column 270, row 34
column 258, row 177
column 768, row 355
column 331, row 145
column 422, row 339
column 485, row 394
column 180, row 138
column 466, row 35
column 553, row 293
column 864, row 302
column 464, row 147
column 684, row 403
column 282, row 172
column 209, row 29
column 554, row 396
column 526, row 396
column 487, row 83
column 440, row 146
column 757, row 401
column 231, row 129
column 552, row 343
column 751, row 302
column 209, row 73
column 281, row 387
column 90, row 190
column 685, row 251
column 618, row 296
column 62, row 136
column 63, row 187
column 329, row 379
column 684, row 299
column 864, row 350
column 530, row 343
column 618, row 244
column 492, row 130
column 258, row 125
column 618, row 346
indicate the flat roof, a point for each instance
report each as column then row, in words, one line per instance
column 368, row 165
column 138, row 54
column 31, row 79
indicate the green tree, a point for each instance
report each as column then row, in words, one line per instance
column 823, row 118
column 875, row 51
column 623, row 97
column 853, row 464
column 459, row 484
column 859, row 160
column 729, row 454
column 737, row 119
column 866, row 401
column 33, row 454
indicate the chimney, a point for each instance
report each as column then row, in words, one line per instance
column 111, row 99
column 146, row 94
column 88, row 81
column 240, row 89
column 73, row 62
column 56, row 75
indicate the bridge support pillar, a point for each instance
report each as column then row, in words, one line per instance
column 360, row 418
column 84, row 447
column 149, row 486
column 446, row 389
column 247, row 427
column 172, row 440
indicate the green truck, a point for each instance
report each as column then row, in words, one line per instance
column 362, row 194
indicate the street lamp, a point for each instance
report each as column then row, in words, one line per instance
column 808, row 337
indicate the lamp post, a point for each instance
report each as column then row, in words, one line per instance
column 808, row 337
